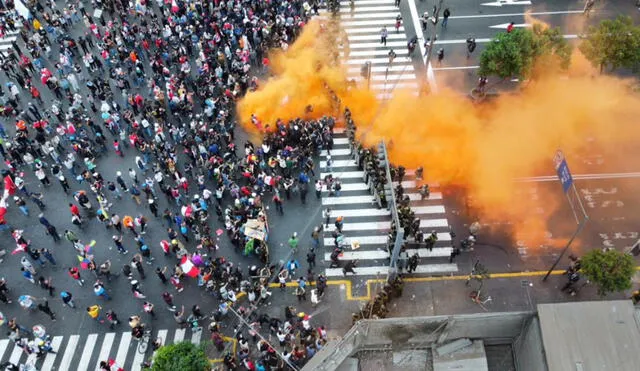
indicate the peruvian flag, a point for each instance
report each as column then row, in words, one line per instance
column 188, row 268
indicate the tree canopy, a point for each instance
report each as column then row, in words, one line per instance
column 513, row 54
column 614, row 43
column 610, row 270
column 183, row 356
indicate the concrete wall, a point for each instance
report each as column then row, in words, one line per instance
column 528, row 350
column 420, row 332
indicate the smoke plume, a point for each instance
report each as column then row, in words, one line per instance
column 480, row 147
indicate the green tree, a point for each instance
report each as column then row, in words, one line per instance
column 183, row 356
column 513, row 54
column 614, row 43
column 610, row 270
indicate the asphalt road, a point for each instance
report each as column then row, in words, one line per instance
column 472, row 19
column 76, row 321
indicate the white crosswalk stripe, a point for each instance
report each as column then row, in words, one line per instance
column 363, row 24
column 366, row 226
column 85, row 352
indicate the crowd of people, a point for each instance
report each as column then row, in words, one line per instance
column 155, row 84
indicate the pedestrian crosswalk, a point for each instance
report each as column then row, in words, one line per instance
column 84, row 352
column 7, row 39
column 363, row 25
column 367, row 226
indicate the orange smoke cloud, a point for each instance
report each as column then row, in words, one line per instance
column 483, row 147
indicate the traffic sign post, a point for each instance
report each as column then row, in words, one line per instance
column 569, row 189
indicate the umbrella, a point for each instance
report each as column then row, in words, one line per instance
column 197, row 260
column 2, row 319
column 188, row 268
column 84, row 262
column 26, row 301
column 39, row 331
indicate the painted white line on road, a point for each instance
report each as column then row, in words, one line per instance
column 374, row 46
column 437, row 209
column 366, row 53
column 376, row 36
column 438, row 252
column 383, row 270
column 195, row 337
column 345, row 200
column 47, row 365
column 344, row 174
column 138, row 357
column 15, row 354
column 551, row 178
column 505, row 25
column 456, row 68
column 515, row 14
column 372, row 30
column 385, row 225
column 361, row 61
column 358, row 9
column 83, row 365
column 500, row 3
column 179, row 336
column 123, row 348
column 393, row 68
column 368, row 2
column 162, row 335
column 4, row 344
column 336, row 152
column 338, row 164
column 340, row 141
column 356, row 213
column 69, row 352
column 355, row 16
column 400, row 85
column 485, row 40
column 377, row 240
column 107, row 343
column 415, row 19
column 350, row 187
column 378, row 22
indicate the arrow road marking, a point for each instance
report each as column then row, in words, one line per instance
column 505, row 25
column 484, row 40
column 515, row 14
column 507, row 2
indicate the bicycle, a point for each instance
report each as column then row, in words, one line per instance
column 143, row 342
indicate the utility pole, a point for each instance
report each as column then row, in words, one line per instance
column 432, row 39
column 365, row 72
column 245, row 323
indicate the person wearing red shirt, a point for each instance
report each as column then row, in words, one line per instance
column 74, row 210
column 510, row 27
column 35, row 93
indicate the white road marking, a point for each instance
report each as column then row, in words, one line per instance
column 385, row 225
column 123, row 348
column 456, row 68
column 69, row 352
column 383, row 270
column 484, row 40
column 179, row 336
column 551, row 178
column 90, row 343
column 47, row 365
column 437, row 252
column 107, row 343
column 516, row 14
column 377, row 240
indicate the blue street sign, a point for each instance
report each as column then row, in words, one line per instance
column 565, row 175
